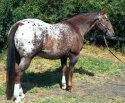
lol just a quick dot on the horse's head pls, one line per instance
(103, 23)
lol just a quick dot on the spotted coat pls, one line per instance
(50, 39)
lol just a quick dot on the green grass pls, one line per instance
(2, 89)
(2, 68)
(33, 91)
(99, 65)
(2, 59)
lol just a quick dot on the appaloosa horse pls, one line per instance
(32, 37)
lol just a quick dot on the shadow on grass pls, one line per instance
(47, 78)
(82, 71)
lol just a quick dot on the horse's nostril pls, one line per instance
(113, 34)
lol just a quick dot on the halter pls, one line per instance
(105, 26)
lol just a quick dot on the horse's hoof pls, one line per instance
(64, 86)
(69, 88)
(22, 96)
(17, 99)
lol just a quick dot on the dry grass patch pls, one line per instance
(94, 51)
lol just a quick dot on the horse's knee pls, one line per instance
(24, 63)
(71, 70)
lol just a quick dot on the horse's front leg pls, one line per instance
(64, 66)
(18, 91)
(73, 59)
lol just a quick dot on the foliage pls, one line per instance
(53, 11)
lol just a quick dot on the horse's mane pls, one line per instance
(79, 14)
(85, 14)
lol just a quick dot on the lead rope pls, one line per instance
(111, 51)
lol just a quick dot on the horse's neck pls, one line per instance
(87, 27)
(84, 24)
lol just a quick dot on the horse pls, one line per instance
(28, 38)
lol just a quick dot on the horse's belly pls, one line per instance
(51, 55)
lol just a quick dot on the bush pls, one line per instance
(54, 10)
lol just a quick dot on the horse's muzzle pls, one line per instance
(110, 34)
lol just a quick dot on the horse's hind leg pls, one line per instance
(73, 59)
(18, 91)
(63, 64)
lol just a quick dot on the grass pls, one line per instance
(2, 89)
(2, 60)
(99, 66)
(45, 75)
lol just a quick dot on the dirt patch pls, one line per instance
(109, 89)
(98, 92)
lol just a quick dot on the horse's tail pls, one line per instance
(11, 62)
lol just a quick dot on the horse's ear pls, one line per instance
(103, 11)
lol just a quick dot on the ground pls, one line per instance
(98, 78)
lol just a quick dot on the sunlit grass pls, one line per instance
(2, 60)
(98, 65)
(2, 89)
